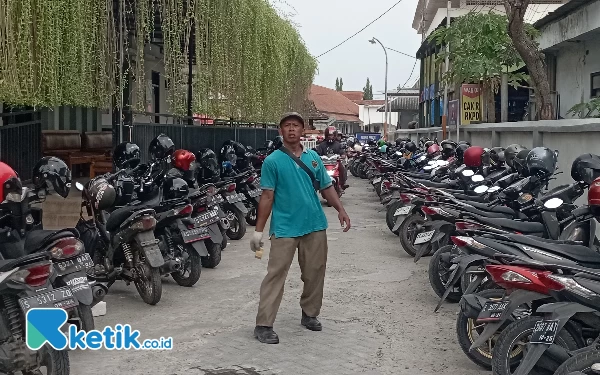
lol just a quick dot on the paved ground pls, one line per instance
(377, 314)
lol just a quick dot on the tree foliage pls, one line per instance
(368, 90)
(339, 84)
(250, 62)
(586, 109)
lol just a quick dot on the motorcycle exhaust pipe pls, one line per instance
(99, 291)
(170, 266)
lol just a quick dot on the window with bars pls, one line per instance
(595, 89)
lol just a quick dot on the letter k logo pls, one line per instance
(43, 326)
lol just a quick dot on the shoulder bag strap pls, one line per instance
(301, 164)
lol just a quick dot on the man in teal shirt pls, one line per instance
(297, 222)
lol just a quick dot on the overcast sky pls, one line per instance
(325, 23)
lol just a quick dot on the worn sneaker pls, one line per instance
(266, 335)
(311, 322)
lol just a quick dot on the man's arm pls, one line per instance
(332, 198)
(265, 205)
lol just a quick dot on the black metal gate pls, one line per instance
(20, 141)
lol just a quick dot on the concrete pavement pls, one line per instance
(377, 315)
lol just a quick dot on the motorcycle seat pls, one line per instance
(196, 193)
(38, 239)
(436, 184)
(485, 207)
(484, 214)
(425, 176)
(9, 264)
(518, 226)
(468, 198)
(118, 216)
(579, 253)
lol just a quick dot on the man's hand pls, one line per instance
(256, 241)
(344, 220)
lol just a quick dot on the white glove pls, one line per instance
(256, 242)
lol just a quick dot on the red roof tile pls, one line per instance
(333, 103)
(370, 102)
(352, 95)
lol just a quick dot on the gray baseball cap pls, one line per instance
(289, 115)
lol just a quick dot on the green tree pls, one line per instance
(368, 91)
(480, 51)
(337, 84)
(341, 84)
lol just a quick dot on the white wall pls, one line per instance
(368, 115)
(573, 26)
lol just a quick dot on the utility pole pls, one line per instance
(504, 98)
(447, 63)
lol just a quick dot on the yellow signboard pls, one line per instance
(470, 106)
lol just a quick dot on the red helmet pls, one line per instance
(183, 159)
(9, 181)
(433, 150)
(472, 157)
(594, 194)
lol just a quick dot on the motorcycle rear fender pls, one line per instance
(199, 247)
(436, 225)
(80, 286)
(471, 305)
(240, 206)
(463, 262)
(215, 233)
(400, 218)
(516, 299)
(473, 285)
(149, 246)
(561, 311)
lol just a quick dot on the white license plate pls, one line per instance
(377, 180)
(58, 298)
(403, 210)
(424, 237)
(81, 262)
(234, 198)
(206, 218)
(255, 193)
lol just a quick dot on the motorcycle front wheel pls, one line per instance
(147, 281)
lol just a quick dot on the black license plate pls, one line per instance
(544, 332)
(79, 263)
(195, 234)
(234, 198)
(255, 193)
(207, 218)
(492, 311)
(62, 298)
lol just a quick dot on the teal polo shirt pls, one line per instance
(297, 209)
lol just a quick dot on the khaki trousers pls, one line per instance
(312, 257)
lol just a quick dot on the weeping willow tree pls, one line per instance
(250, 63)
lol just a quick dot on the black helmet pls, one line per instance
(410, 146)
(541, 161)
(52, 173)
(227, 154)
(161, 147)
(448, 147)
(209, 171)
(239, 149)
(126, 155)
(460, 150)
(100, 193)
(277, 142)
(519, 162)
(511, 152)
(497, 157)
(586, 168)
(175, 188)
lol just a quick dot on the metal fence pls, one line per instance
(194, 138)
(20, 143)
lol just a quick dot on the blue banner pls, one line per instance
(365, 137)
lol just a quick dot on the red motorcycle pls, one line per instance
(332, 165)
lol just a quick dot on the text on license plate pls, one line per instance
(206, 217)
(424, 237)
(58, 298)
(402, 211)
(492, 310)
(255, 193)
(544, 332)
(195, 234)
(82, 262)
(234, 198)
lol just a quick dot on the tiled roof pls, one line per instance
(333, 103)
(370, 102)
(402, 103)
(353, 95)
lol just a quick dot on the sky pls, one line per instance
(325, 23)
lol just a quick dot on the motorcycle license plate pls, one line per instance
(424, 237)
(544, 332)
(207, 218)
(79, 263)
(377, 180)
(403, 210)
(196, 234)
(234, 198)
(61, 298)
(255, 193)
(492, 311)
(215, 199)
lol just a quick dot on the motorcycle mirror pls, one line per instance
(79, 186)
(493, 189)
(480, 189)
(477, 178)
(553, 203)
(468, 173)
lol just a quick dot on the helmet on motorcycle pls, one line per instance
(541, 161)
(473, 156)
(410, 146)
(161, 147)
(100, 193)
(184, 160)
(519, 162)
(227, 153)
(428, 144)
(126, 155)
(9, 181)
(277, 142)
(330, 130)
(511, 152)
(209, 166)
(448, 147)
(497, 156)
(52, 173)
(460, 151)
(175, 188)
(594, 197)
(239, 149)
(586, 168)
(433, 150)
